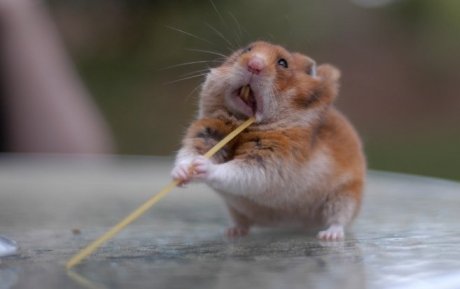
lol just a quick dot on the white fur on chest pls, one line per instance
(288, 187)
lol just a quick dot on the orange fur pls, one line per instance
(299, 140)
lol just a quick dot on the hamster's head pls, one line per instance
(281, 83)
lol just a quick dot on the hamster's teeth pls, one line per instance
(245, 92)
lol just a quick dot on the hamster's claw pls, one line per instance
(181, 174)
(196, 170)
(333, 233)
(201, 168)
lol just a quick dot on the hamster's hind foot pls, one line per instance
(333, 233)
(236, 232)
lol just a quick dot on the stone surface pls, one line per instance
(407, 235)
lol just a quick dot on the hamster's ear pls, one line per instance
(328, 72)
(329, 76)
(325, 88)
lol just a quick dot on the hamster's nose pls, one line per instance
(256, 64)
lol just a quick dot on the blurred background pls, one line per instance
(399, 60)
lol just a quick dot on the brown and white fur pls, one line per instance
(300, 163)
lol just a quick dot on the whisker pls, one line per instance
(195, 71)
(243, 29)
(185, 78)
(189, 34)
(218, 13)
(195, 89)
(232, 46)
(188, 63)
(238, 25)
(206, 51)
(238, 32)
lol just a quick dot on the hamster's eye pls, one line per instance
(247, 49)
(282, 62)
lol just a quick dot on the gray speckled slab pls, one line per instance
(407, 235)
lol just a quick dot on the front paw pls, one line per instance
(201, 168)
(182, 173)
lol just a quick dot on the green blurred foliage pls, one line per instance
(399, 61)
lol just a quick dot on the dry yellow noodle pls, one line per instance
(88, 250)
(83, 281)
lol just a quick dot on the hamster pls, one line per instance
(301, 163)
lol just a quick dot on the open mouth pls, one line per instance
(246, 94)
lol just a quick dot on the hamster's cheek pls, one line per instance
(285, 96)
(215, 81)
(214, 74)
